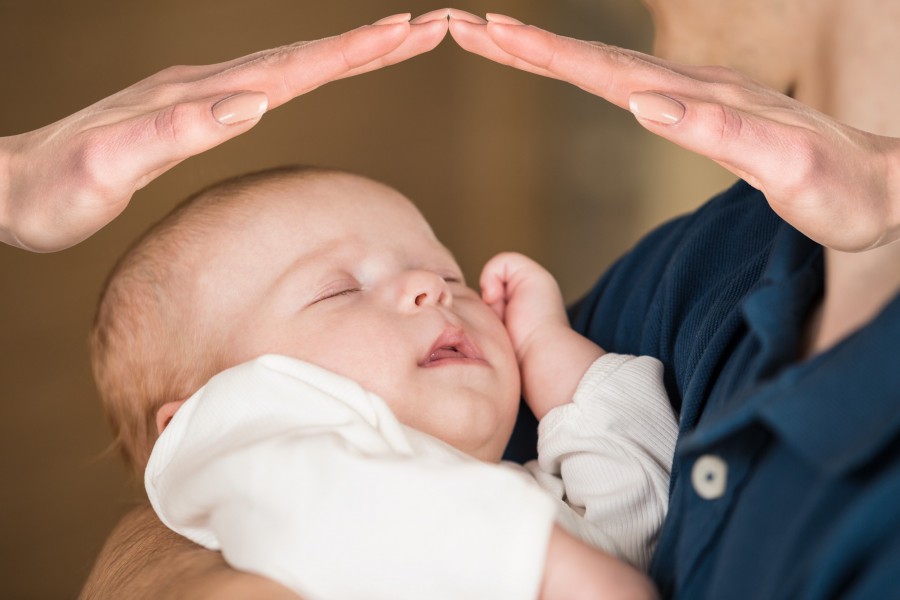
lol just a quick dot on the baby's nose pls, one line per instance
(425, 288)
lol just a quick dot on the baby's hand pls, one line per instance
(525, 296)
(576, 571)
(552, 357)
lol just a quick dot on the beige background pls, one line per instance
(497, 159)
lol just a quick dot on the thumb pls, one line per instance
(163, 138)
(751, 147)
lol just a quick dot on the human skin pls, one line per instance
(552, 357)
(769, 138)
(837, 184)
(61, 183)
(344, 272)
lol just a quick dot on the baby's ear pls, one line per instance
(165, 414)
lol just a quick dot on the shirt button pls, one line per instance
(709, 477)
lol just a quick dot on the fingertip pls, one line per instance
(502, 19)
(518, 40)
(365, 44)
(396, 28)
(501, 28)
(432, 26)
(456, 14)
(394, 19)
(466, 34)
(441, 14)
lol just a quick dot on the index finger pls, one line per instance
(607, 71)
(289, 71)
(426, 32)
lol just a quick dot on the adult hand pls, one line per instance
(838, 185)
(61, 183)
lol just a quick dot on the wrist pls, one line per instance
(892, 178)
(553, 365)
(6, 234)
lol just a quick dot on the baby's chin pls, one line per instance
(488, 449)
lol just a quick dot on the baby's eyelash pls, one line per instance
(344, 292)
(335, 294)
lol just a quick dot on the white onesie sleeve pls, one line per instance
(607, 456)
(302, 476)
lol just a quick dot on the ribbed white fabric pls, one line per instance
(302, 476)
(608, 456)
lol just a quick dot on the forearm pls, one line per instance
(553, 364)
(893, 185)
(142, 559)
(575, 571)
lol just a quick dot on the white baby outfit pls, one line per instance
(302, 476)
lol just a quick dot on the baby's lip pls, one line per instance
(451, 346)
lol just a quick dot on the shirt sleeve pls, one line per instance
(304, 477)
(607, 456)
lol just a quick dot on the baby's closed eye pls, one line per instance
(337, 290)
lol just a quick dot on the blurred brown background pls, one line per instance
(497, 160)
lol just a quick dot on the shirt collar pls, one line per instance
(842, 407)
(837, 409)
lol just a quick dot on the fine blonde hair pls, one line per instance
(146, 347)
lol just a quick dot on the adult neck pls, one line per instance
(851, 75)
(850, 69)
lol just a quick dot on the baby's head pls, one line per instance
(321, 265)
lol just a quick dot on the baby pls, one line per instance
(360, 397)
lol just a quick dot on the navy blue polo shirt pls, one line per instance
(786, 480)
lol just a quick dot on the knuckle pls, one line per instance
(727, 125)
(805, 160)
(173, 123)
(151, 93)
(724, 74)
(731, 93)
(89, 164)
(169, 76)
(168, 93)
(175, 73)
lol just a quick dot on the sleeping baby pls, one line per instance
(298, 367)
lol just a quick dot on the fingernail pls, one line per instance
(461, 15)
(242, 106)
(434, 15)
(656, 107)
(502, 19)
(393, 19)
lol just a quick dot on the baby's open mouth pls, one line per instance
(452, 345)
(446, 352)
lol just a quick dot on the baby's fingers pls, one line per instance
(493, 286)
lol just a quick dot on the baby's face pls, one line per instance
(345, 273)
